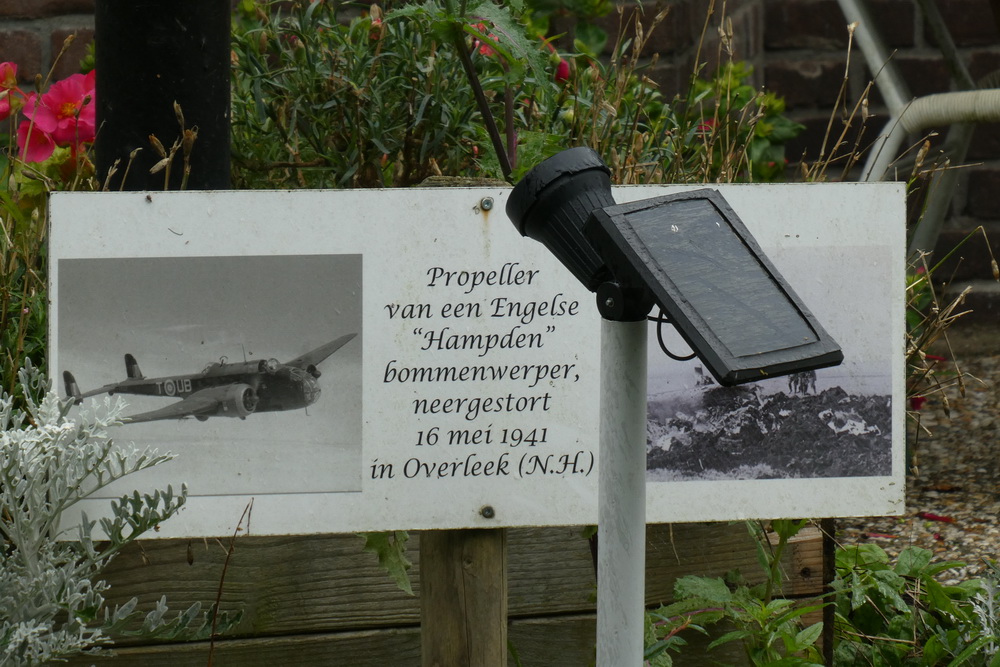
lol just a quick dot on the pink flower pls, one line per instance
(5, 107)
(706, 126)
(562, 71)
(64, 116)
(8, 76)
(67, 111)
(36, 146)
(483, 47)
(917, 402)
(375, 32)
(8, 87)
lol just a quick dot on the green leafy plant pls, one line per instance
(768, 628)
(887, 613)
(390, 549)
(986, 607)
(900, 614)
(305, 86)
(722, 129)
(732, 113)
(51, 597)
(305, 83)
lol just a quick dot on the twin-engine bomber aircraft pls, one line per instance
(223, 389)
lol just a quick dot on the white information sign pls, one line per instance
(403, 359)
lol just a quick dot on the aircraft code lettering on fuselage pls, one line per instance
(174, 387)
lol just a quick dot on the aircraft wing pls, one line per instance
(73, 390)
(317, 356)
(106, 389)
(202, 403)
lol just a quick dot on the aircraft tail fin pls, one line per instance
(132, 368)
(72, 388)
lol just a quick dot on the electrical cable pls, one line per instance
(660, 320)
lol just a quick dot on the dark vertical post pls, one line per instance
(828, 527)
(151, 53)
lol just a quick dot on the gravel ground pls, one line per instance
(953, 492)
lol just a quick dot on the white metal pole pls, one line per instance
(621, 558)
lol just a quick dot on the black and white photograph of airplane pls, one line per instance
(223, 388)
(250, 366)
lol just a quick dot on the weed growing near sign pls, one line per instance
(928, 319)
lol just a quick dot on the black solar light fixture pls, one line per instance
(692, 256)
(688, 253)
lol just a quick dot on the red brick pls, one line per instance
(982, 202)
(748, 28)
(970, 22)
(34, 9)
(69, 63)
(805, 82)
(23, 48)
(924, 73)
(671, 36)
(983, 63)
(810, 142)
(820, 24)
(673, 76)
(895, 22)
(971, 261)
(985, 143)
(812, 24)
(680, 32)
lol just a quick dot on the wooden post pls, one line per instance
(463, 598)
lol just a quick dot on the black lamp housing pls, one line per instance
(553, 201)
(689, 253)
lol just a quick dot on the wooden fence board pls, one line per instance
(399, 647)
(562, 641)
(309, 597)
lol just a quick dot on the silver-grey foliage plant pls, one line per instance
(51, 601)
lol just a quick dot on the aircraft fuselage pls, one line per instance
(223, 389)
(291, 389)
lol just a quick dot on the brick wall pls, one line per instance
(798, 49)
(32, 33)
(677, 39)
(805, 46)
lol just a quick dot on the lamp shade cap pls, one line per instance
(565, 163)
